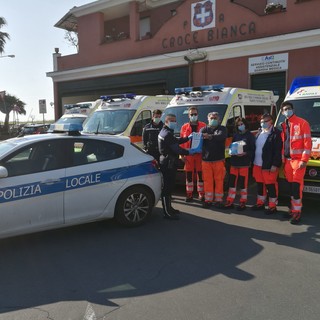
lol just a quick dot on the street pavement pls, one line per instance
(210, 265)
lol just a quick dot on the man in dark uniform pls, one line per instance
(150, 134)
(169, 153)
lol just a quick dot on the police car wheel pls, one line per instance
(134, 206)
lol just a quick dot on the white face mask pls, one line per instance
(193, 118)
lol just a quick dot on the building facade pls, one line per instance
(153, 46)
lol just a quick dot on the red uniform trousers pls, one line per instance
(294, 174)
(268, 182)
(236, 174)
(213, 177)
(194, 163)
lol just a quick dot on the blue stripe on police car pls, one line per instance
(74, 182)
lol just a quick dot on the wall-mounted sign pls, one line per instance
(269, 63)
(203, 15)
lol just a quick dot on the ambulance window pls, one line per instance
(253, 115)
(235, 112)
(143, 118)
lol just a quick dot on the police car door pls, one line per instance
(97, 174)
(31, 197)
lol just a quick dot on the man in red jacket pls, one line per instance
(297, 147)
(193, 163)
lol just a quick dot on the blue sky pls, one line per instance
(33, 38)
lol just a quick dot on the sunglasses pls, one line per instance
(193, 114)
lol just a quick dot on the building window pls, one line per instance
(275, 6)
(145, 28)
(282, 2)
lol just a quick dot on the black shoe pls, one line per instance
(295, 221)
(258, 207)
(296, 218)
(241, 207)
(207, 204)
(228, 205)
(189, 199)
(175, 211)
(171, 217)
(270, 211)
(219, 205)
(201, 198)
(287, 215)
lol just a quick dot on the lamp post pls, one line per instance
(8, 56)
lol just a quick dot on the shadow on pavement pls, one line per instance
(101, 261)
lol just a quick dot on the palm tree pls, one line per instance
(3, 35)
(10, 103)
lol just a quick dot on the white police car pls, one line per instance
(55, 180)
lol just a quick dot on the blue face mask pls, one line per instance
(172, 125)
(242, 128)
(156, 120)
(288, 113)
(213, 122)
(264, 125)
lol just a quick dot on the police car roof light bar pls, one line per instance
(69, 106)
(118, 96)
(187, 90)
(304, 82)
(73, 106)
(83, 105)
(71, 128)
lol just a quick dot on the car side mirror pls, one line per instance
(3, 172)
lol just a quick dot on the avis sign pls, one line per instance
(203, 15)
(42, 106)
(269, 63)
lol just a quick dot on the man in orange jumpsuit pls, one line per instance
(297, 147)
(192, 163)
(213, 160)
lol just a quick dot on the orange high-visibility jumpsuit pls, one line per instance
(300, 145)
(192, 162)
(213, 163)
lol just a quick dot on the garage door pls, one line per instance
(275, 82)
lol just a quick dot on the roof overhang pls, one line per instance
(286, 42)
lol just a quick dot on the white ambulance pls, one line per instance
(304, 94)
(230, 103)
(125, 114)
(84, 108)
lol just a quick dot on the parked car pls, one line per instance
(33, 129)
(61, 179)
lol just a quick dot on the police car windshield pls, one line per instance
(181, 113)
(108, 121)
(308, 109)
